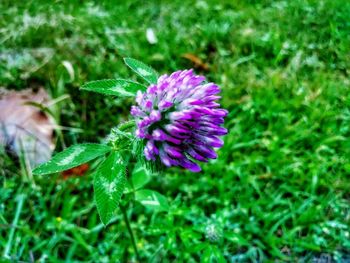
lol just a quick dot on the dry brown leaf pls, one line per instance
(198, 63)
(76, 171)
(24, 128)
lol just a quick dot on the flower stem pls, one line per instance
(133, 239)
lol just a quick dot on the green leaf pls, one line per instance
(72, 157)
(218, 255)
(115, 87)
(212, 254)
(140, 176)
(152, 199)
(189, 237)
(236, 239)
(109, 183)
(146, 72)
(207, 256)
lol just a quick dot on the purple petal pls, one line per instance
(196, 155)
(213, 141)
(177, 131)
(212, 119)
(152, 89)
(173, 151)
(139, 97)
(211, 98)
(180, 115)
(140, 133)
(165, 159)
(193, 167)
(149, 155)
(162, 78)
(212, 104)
(206, 151)
(145, 122)
(220, 112)
(165, 105)
(191, 124)
(213, 130)
(148, 105)
(152, 147)
(137, 112)
(155, 116)
(159, 135)
(173, 140)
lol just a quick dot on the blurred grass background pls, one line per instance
(280, 188)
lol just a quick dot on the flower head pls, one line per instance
(180, 120)
(213, 233)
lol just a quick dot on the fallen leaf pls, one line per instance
(24, 128)
(78, 171)
(196, 61)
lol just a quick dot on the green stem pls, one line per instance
(133, 239)
(7, 249)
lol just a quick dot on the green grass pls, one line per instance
(280, 188)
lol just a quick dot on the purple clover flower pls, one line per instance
(180, 120)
